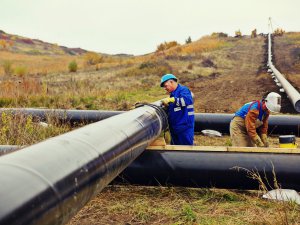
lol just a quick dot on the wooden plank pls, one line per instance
(224, 149)
(264, 150)
(189, 148)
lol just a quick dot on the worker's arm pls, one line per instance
(264, 128)
(264, 131)
(185, 98)
(250, 119)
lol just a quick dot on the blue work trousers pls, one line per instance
(185, 137)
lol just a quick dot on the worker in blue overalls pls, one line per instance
(180, 111)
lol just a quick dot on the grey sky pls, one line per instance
(138, 26)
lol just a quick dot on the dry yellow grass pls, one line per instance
(40, 64)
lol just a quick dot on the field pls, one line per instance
(222, 72)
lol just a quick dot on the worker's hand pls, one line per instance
(265, 140)
(166, 101)
(258, 141)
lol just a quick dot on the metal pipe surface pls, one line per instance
(211, 169)
(292, 93)
(47, 183)
(278, 124)
(5, 149)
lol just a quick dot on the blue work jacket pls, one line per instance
(181, 112)
(255, 105)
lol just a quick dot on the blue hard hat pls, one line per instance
(166, 77)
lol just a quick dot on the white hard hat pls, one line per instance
(273, 102)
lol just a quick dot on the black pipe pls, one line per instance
(211, 169)
(71, 116)
(47, 183)
(278, 124)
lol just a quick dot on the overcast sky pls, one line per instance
(138, 26)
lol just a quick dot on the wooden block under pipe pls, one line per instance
(158, 142)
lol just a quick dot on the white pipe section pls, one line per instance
(292, 93)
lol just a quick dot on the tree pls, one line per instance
(253, 34)
(238, 34)
(278, 32)
(3, 43)
(188, 40)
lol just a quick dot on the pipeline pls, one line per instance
(212, 169)
(62, 115)
(47, 183)
(206, 168)
(278, 124)
(5, 149)
(292, 93)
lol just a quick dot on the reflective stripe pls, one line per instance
(190, 113)
(177, 109)
(182, 101)
(190, 106)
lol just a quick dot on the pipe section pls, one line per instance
(278, 124)
(71, 116)
(5, 149)
(211, 169)
(292, 93)
(47, 183)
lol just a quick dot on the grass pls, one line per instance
(162, 205)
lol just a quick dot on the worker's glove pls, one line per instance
(265, 140)
(166, 101)
(258, 141)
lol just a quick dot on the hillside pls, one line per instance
(18, 44)
(222, 72)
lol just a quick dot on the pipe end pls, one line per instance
(297, 106)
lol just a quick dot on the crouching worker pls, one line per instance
(251, 116)
(180, 111)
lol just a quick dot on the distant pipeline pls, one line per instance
(278, 124)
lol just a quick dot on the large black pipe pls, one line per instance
(71, 116)
(212, 169)
(209, 169)
(47, 183)
(278, 124)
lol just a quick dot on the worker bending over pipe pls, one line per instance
(251, 116)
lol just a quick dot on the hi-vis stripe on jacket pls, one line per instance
(181, 112)
(252, 113)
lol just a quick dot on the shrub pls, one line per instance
(190, 66)
(92, 58)
(219, 34)
(7, 66)
(21, 71)
(73, 66)
(166, 45)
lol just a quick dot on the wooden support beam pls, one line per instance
(223, 149)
